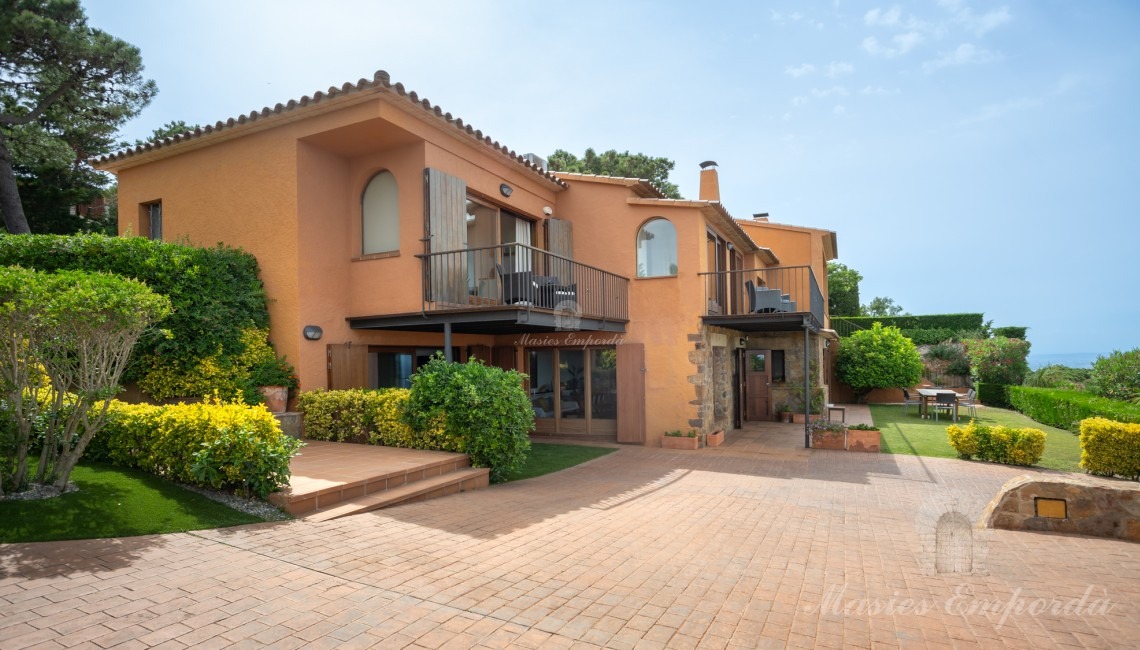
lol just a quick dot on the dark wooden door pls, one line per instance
(758, 373)
(347, 366)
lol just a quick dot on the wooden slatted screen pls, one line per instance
(560, 241)
(480, 352)
(631, 393)
(445, 220)
(347, 366)
(503, 356)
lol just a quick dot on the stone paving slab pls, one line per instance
(641, 548)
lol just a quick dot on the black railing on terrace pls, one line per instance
(780, 289)
(517, 275)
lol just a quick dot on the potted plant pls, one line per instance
(715, 439)
(678, 440)
(815, 406)
(828, 435)
(273, 380)
(784, 412)
(863, 437)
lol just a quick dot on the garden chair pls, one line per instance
(945, 402)
(908, 401)
(969, 400)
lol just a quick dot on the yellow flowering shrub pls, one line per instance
(998, 444)
(1110, 448)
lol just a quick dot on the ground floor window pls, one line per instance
(393, 367)
(573, 390)
(778, 374)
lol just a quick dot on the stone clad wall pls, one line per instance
(714, 399)
(1094, 506)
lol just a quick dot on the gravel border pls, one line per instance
(250, 506)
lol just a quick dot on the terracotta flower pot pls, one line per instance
(798, 418)
(827, 440)
(715, 439)
(679, 442)
(276, 398)
(858, 440)
(786, 417)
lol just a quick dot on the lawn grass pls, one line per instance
(114, 502)
(545, 458)
(909, 434)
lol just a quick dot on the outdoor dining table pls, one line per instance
(929, 395)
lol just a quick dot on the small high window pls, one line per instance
(656, 249)
(380, 215)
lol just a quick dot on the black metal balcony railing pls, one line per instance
(517, 275)
(776, 290)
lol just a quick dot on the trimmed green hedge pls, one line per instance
(997, 444)
(215, 292)
(953, 322)
(929, 336)
(214, 445)
(1065, 409)
(1110, 448)
(1011, 332)
(994, 395)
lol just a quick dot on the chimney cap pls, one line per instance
(708, 163)
(760, 216)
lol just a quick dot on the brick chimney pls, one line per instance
(710, 183)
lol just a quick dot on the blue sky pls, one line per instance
(972, 156)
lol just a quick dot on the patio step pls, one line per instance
(462, 480)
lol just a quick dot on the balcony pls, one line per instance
(782, 298)
(512, 288)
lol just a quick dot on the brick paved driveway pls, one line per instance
(642, 548)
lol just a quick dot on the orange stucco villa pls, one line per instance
(388, 229)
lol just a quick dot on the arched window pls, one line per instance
(656, 249)
(380, 215)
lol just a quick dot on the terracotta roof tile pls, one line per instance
(380, 82)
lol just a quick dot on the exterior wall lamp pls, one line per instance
(505, 190)
(313, 332)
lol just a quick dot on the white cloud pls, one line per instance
(839, 91)
(876, 90)
(835, 69)
(799, 101)
(996, 111)
(839, 109)
(799, 70)
(788, 116)
(879, 18)
(979, 24)
(901, 44)
(964, 54)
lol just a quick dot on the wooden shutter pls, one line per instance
(480, 352)
(445, 222)
(631, 393)
(503, 356)
(347, 366)
(560, 241)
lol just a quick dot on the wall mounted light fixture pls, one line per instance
(505, 190)
(313, 332)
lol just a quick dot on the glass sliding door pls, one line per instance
(574, 390)
(603, 384)
(542, 396)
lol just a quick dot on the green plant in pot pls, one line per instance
(273, 378)
(784, 410)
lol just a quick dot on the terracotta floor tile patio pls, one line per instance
(758, 543)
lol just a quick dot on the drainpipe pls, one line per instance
(807, 390)
(447, 341)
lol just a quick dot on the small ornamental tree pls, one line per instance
(998, 360)
(66, 338)
(485, 407)
(880, 357)
(1117, 376)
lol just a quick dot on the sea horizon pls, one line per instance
(1070, 359)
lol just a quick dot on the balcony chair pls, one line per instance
(907, 401)
(946, 402)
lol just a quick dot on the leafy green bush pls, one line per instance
(340, 415)
(1011, 332)
(484, 406)
(1065, 409)
(1117, 376)
(997, 444)
(944, 351)
(240, 459)
(243, 445)
(66, 338)
(1058, 376)
(993, 394)
(216, 295)
(999, 360)
(846, 325)
(880, 357)
(1110, 448)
